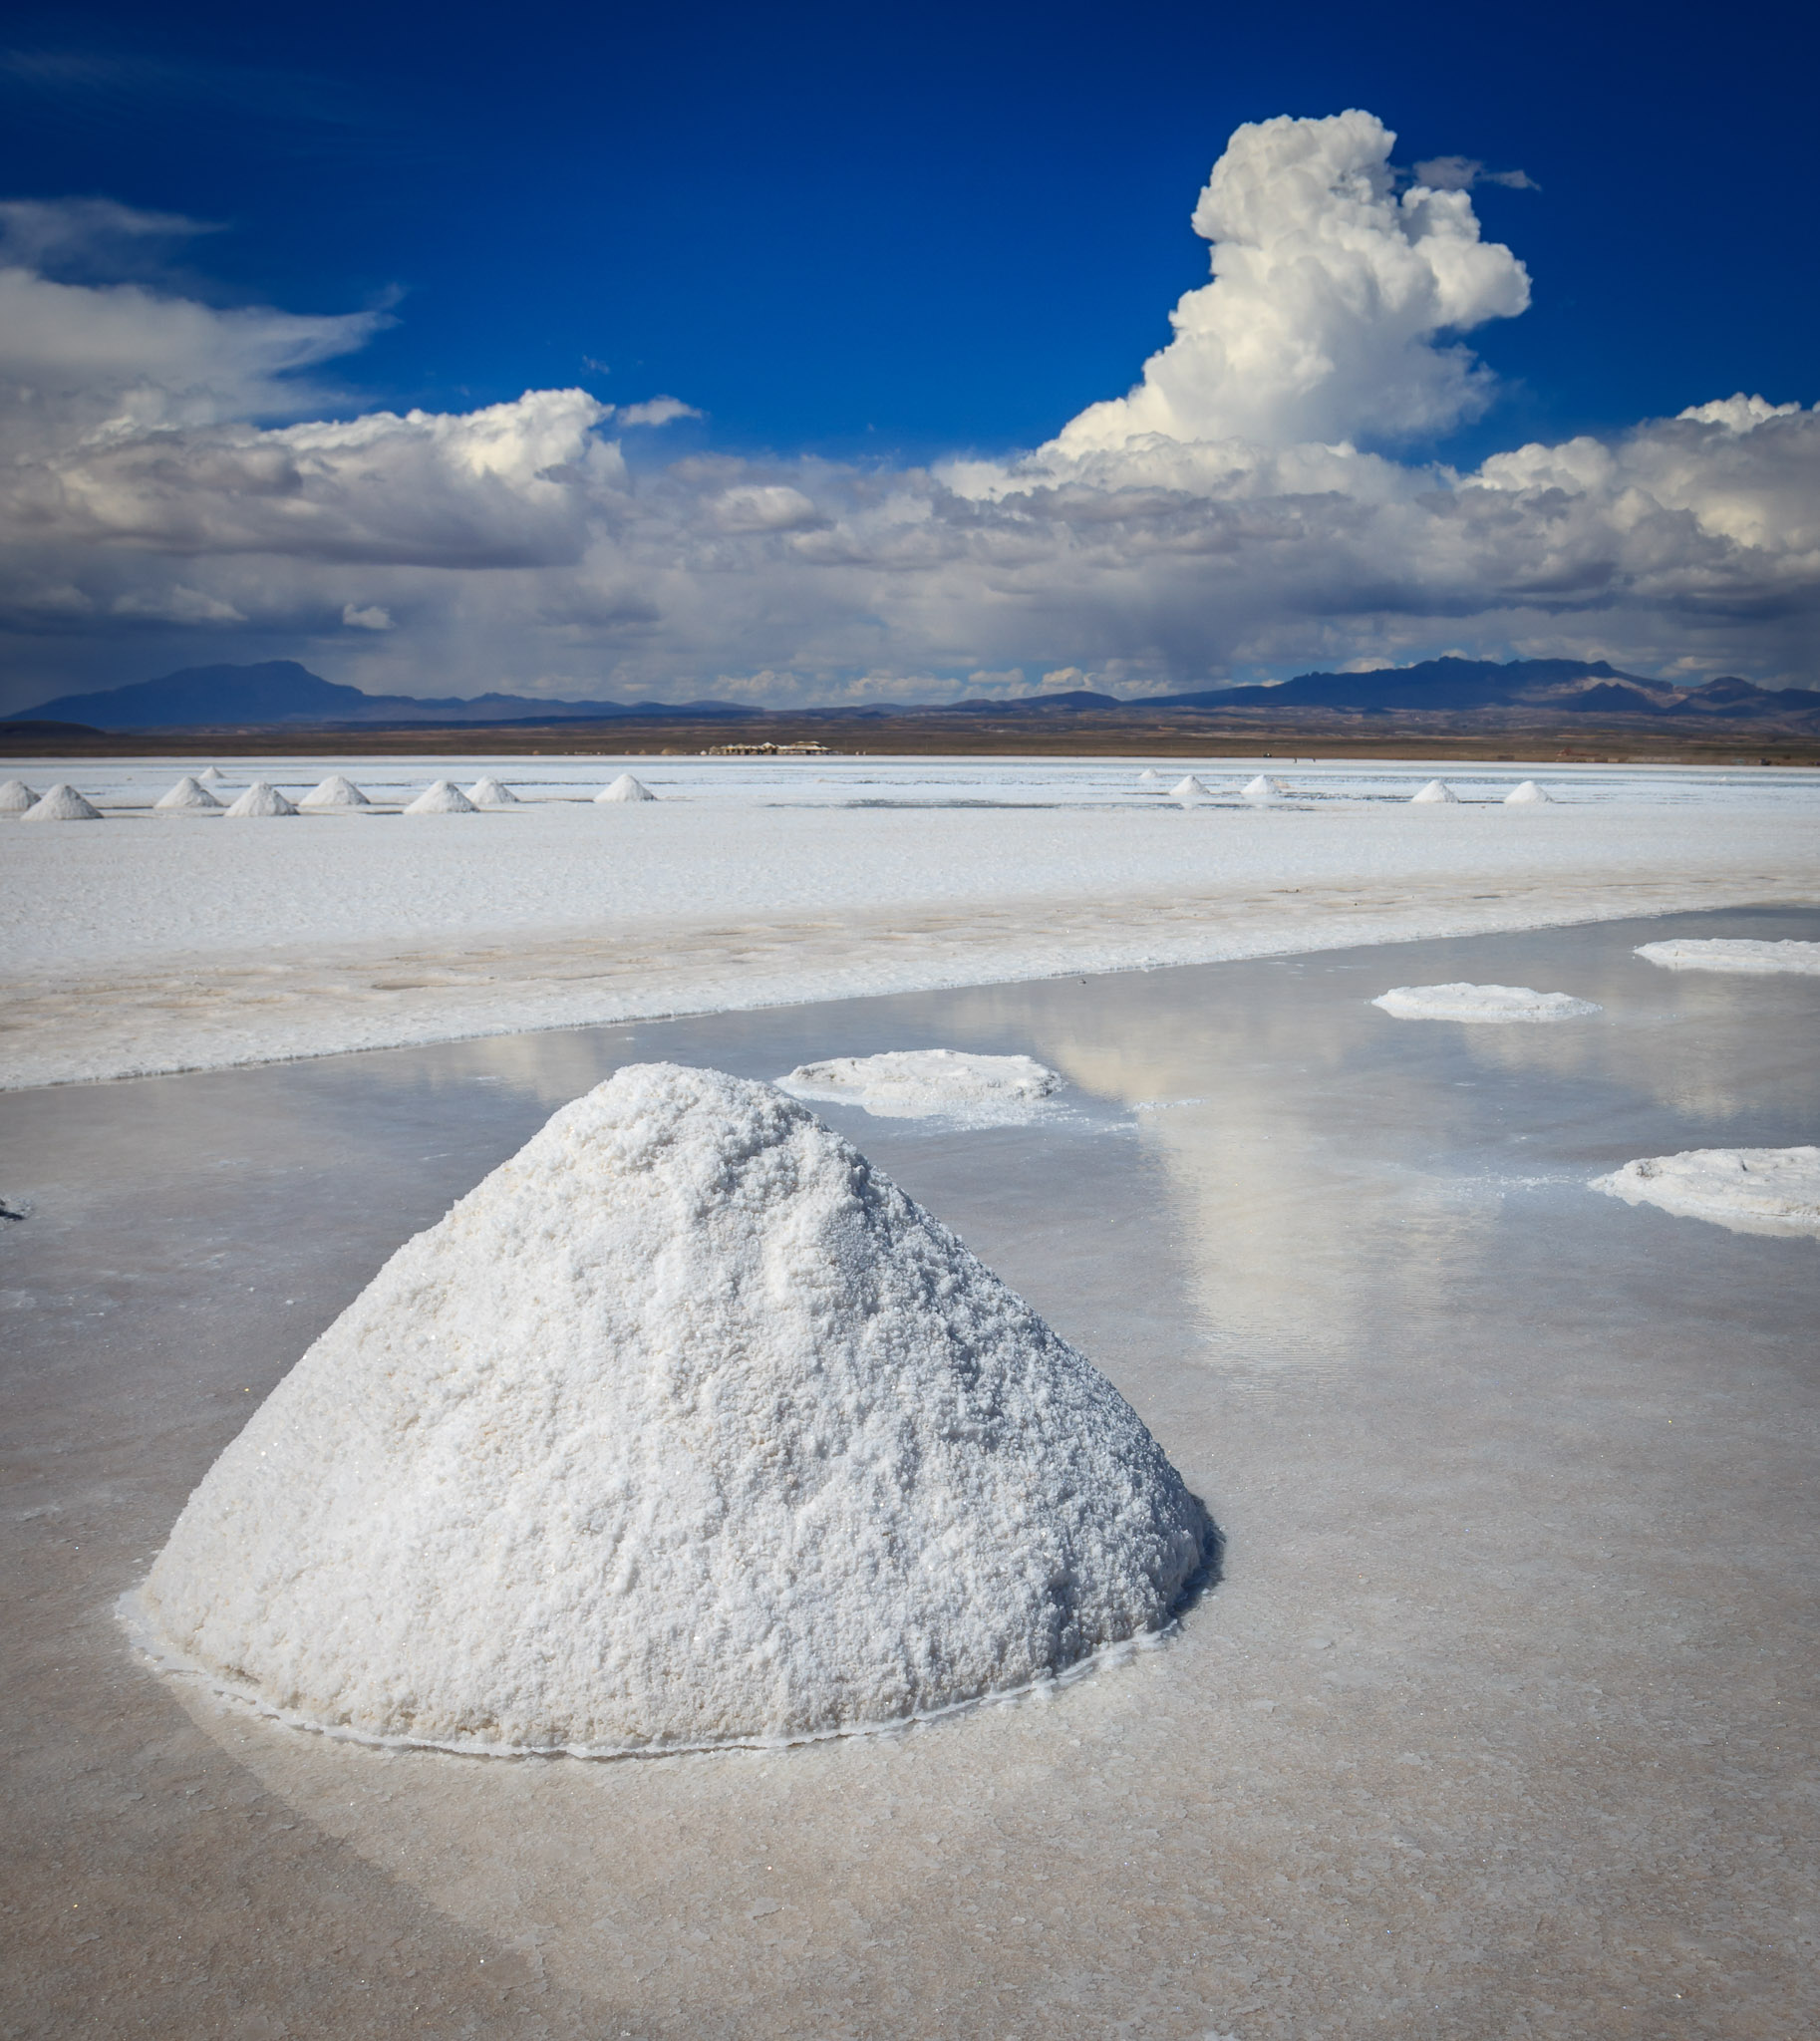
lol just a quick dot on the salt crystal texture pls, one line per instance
(442, 797)
(188, 797)
(1481, 1002)
(492, 793)
(1263, 793)
(1435, 791)
(1754, 959)
(1527, 795)
(16, 798)
(1750, 1190)
(686, 1428)
(260, 799)
(62, 804)
(625, 788)
(918, 1083)
(337, 791)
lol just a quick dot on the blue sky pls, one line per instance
(892, 236)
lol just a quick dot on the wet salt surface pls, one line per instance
(1500, 1724)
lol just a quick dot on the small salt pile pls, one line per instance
(1481, 1002)
(1262, 792)
(1187, 790)
(1527, 795)
(62, 804)
(337, 791)
(492, 793)
(625, 788)
(16, 798)
(188, 797)
(1435, 791)
(1149, 778)
(686, 1428)
(259, 800)
(443, 798)
(919, 1083)
(1750, 1190)
(213, 776)
(1749, 956)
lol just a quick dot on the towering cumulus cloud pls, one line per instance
(176, 484)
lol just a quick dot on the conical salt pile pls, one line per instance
(260, 799)
(684, 1427)
(62, 804)
(213, 776)
(337, 791)
(189, 797)
(1528, 795)
(492, 793)
(442, 798)
(626, 788)
(1147, 779)
(1435, 791)
(1262, 792)
(1188, 789)
(16, 798)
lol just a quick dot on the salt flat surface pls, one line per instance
(910, 1084)
(140, 946)
(1480, 1003)
(1750, 1190)
(1749, 959)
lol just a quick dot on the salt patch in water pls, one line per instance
(625, 788)
(259, 800)
(1527, 795)
(1481, 1002)
(686, 1428)
(188, 797)
(16, 798)
(337, 791)
(921, 1083)
(62, 804)
(1435, 791)
(1750, 1190)
(442, 797)
(1263, 793)
(492, 793)
(1749, 958)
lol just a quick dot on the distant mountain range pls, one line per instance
(281, 692)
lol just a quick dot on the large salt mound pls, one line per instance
(1435, 791)
(188, 797)
(62, 804)
(626, 788)
(337, 791)
(918, 1083)
(1188, 789)
(1527, 795)
(684, 1427)
(1750, 1190)
(259, 800)
(440, 797)
(1481, 1002)
(1752, 958)
(16, 798)
(492, 793)
(1262, 792)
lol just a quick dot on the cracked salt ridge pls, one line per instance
(1481, 1003)
(1772, 1190)
(926, 1084)
(1744, 957)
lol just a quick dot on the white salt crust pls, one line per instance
(1435, 791)
(1750, 1190)
(257, 801)
(188, 797)
(440, 797)
(1749, 958)
(1262, 792)
(625, 788)
(920, 1083)
(16, 798)
(685, 1428)
(62, 804)
(1481, 1002)
(492, 793)
(337, 791)
(1527, 794)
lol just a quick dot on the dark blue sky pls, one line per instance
(917, 229)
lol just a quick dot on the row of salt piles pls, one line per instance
(1525, 795)
(1261, 793)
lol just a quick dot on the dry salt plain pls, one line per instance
(1500, 1719)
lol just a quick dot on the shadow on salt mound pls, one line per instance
(685, 1428)
(1435, 791)
(16, 798)
(440, 797)
(927, 1084)
(625, 788)
(492, 793)
(1750, 1190)
(1748, 957)
(1262, 792)
(1528, 795)
(188, 797)
(259, 800)
(62, 804)
(1481, 1002)
(337, 791)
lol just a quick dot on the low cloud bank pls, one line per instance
(1246, 507)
